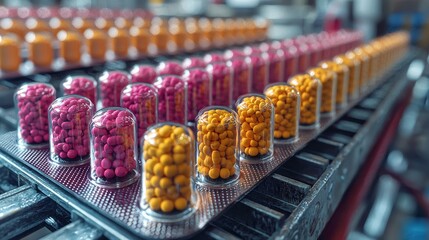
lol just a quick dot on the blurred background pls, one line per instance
(288, 17)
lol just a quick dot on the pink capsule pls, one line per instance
(221, 77)
(241, 74)
(85, 86)
(111, 85)
(70, 136)
(141, 99)
(143, 74)
(275, 59)
(171, 99)
(199, 90)
(259, 72)
(170, 68)
(193, 62)
(213, 57)
(233, 53)
(113, 136)
(32, 101)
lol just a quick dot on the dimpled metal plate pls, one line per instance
(122, 205)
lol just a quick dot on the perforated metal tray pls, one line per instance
(121, 205)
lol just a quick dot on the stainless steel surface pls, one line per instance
(21, 209)
(77, 230)
(121, 206)
(312, 214)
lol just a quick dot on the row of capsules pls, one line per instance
(171, 156)
(86, 36)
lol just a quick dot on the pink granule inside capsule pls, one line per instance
(82, 86)
(259, 73)
(221, 77)
(33, 102)
(141, 100)
(170, 68)
(241, 75)
(213, 57)
(171, 99)
(70, 120)
(198, 81)
(113, 143)
(193, 62)
(143, 74)
(111, 85)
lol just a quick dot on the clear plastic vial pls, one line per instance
(32, 102)
(218, 147)
(259, 72)
(168, 158)
(113, 148)
(241, 73)
(170, 68)
(221, 77)
(172, 94)
(69, 118)
(328, 79)
(256, 115)
(142, 100)
(354, 72)
(143, 73)
(310, 90)
(287, 102)
(342, 73)
(111, 85)
(82, 85)
(199, 91)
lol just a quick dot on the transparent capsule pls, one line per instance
(172, 94)
(218, 147)
(256, 115)
(310, 90)
(286, 101)
(32, 102)
(113, 148)
(81, 85)
(328, 79)
(168, 157)
(142, 100)
(69, 119)
(199, 90)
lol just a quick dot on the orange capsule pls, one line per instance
(96, 42)
(58, 24)
(159, 37)
(177, 32)
(40, 50)
(119, 41)
(9, 53)
(103, 23)
(14, 26)
(70, 46)
(37, 25)
(123, 23)
(81, 24)
(139, 39)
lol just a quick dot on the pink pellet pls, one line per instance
(170, 68)
(213, 57)
(141, 99)
(32, 101)
(193, 62)
(111, 85)
(171, 99)
(315, 52)
(259, 73)
(221, 76)
(85, 86)
(303, 56)
(143, 74)
(113, 143)
(70, 137)
(241, 74)
(199, 92)
(275, 59)
(233, 53)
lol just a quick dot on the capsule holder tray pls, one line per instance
(122, 205)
